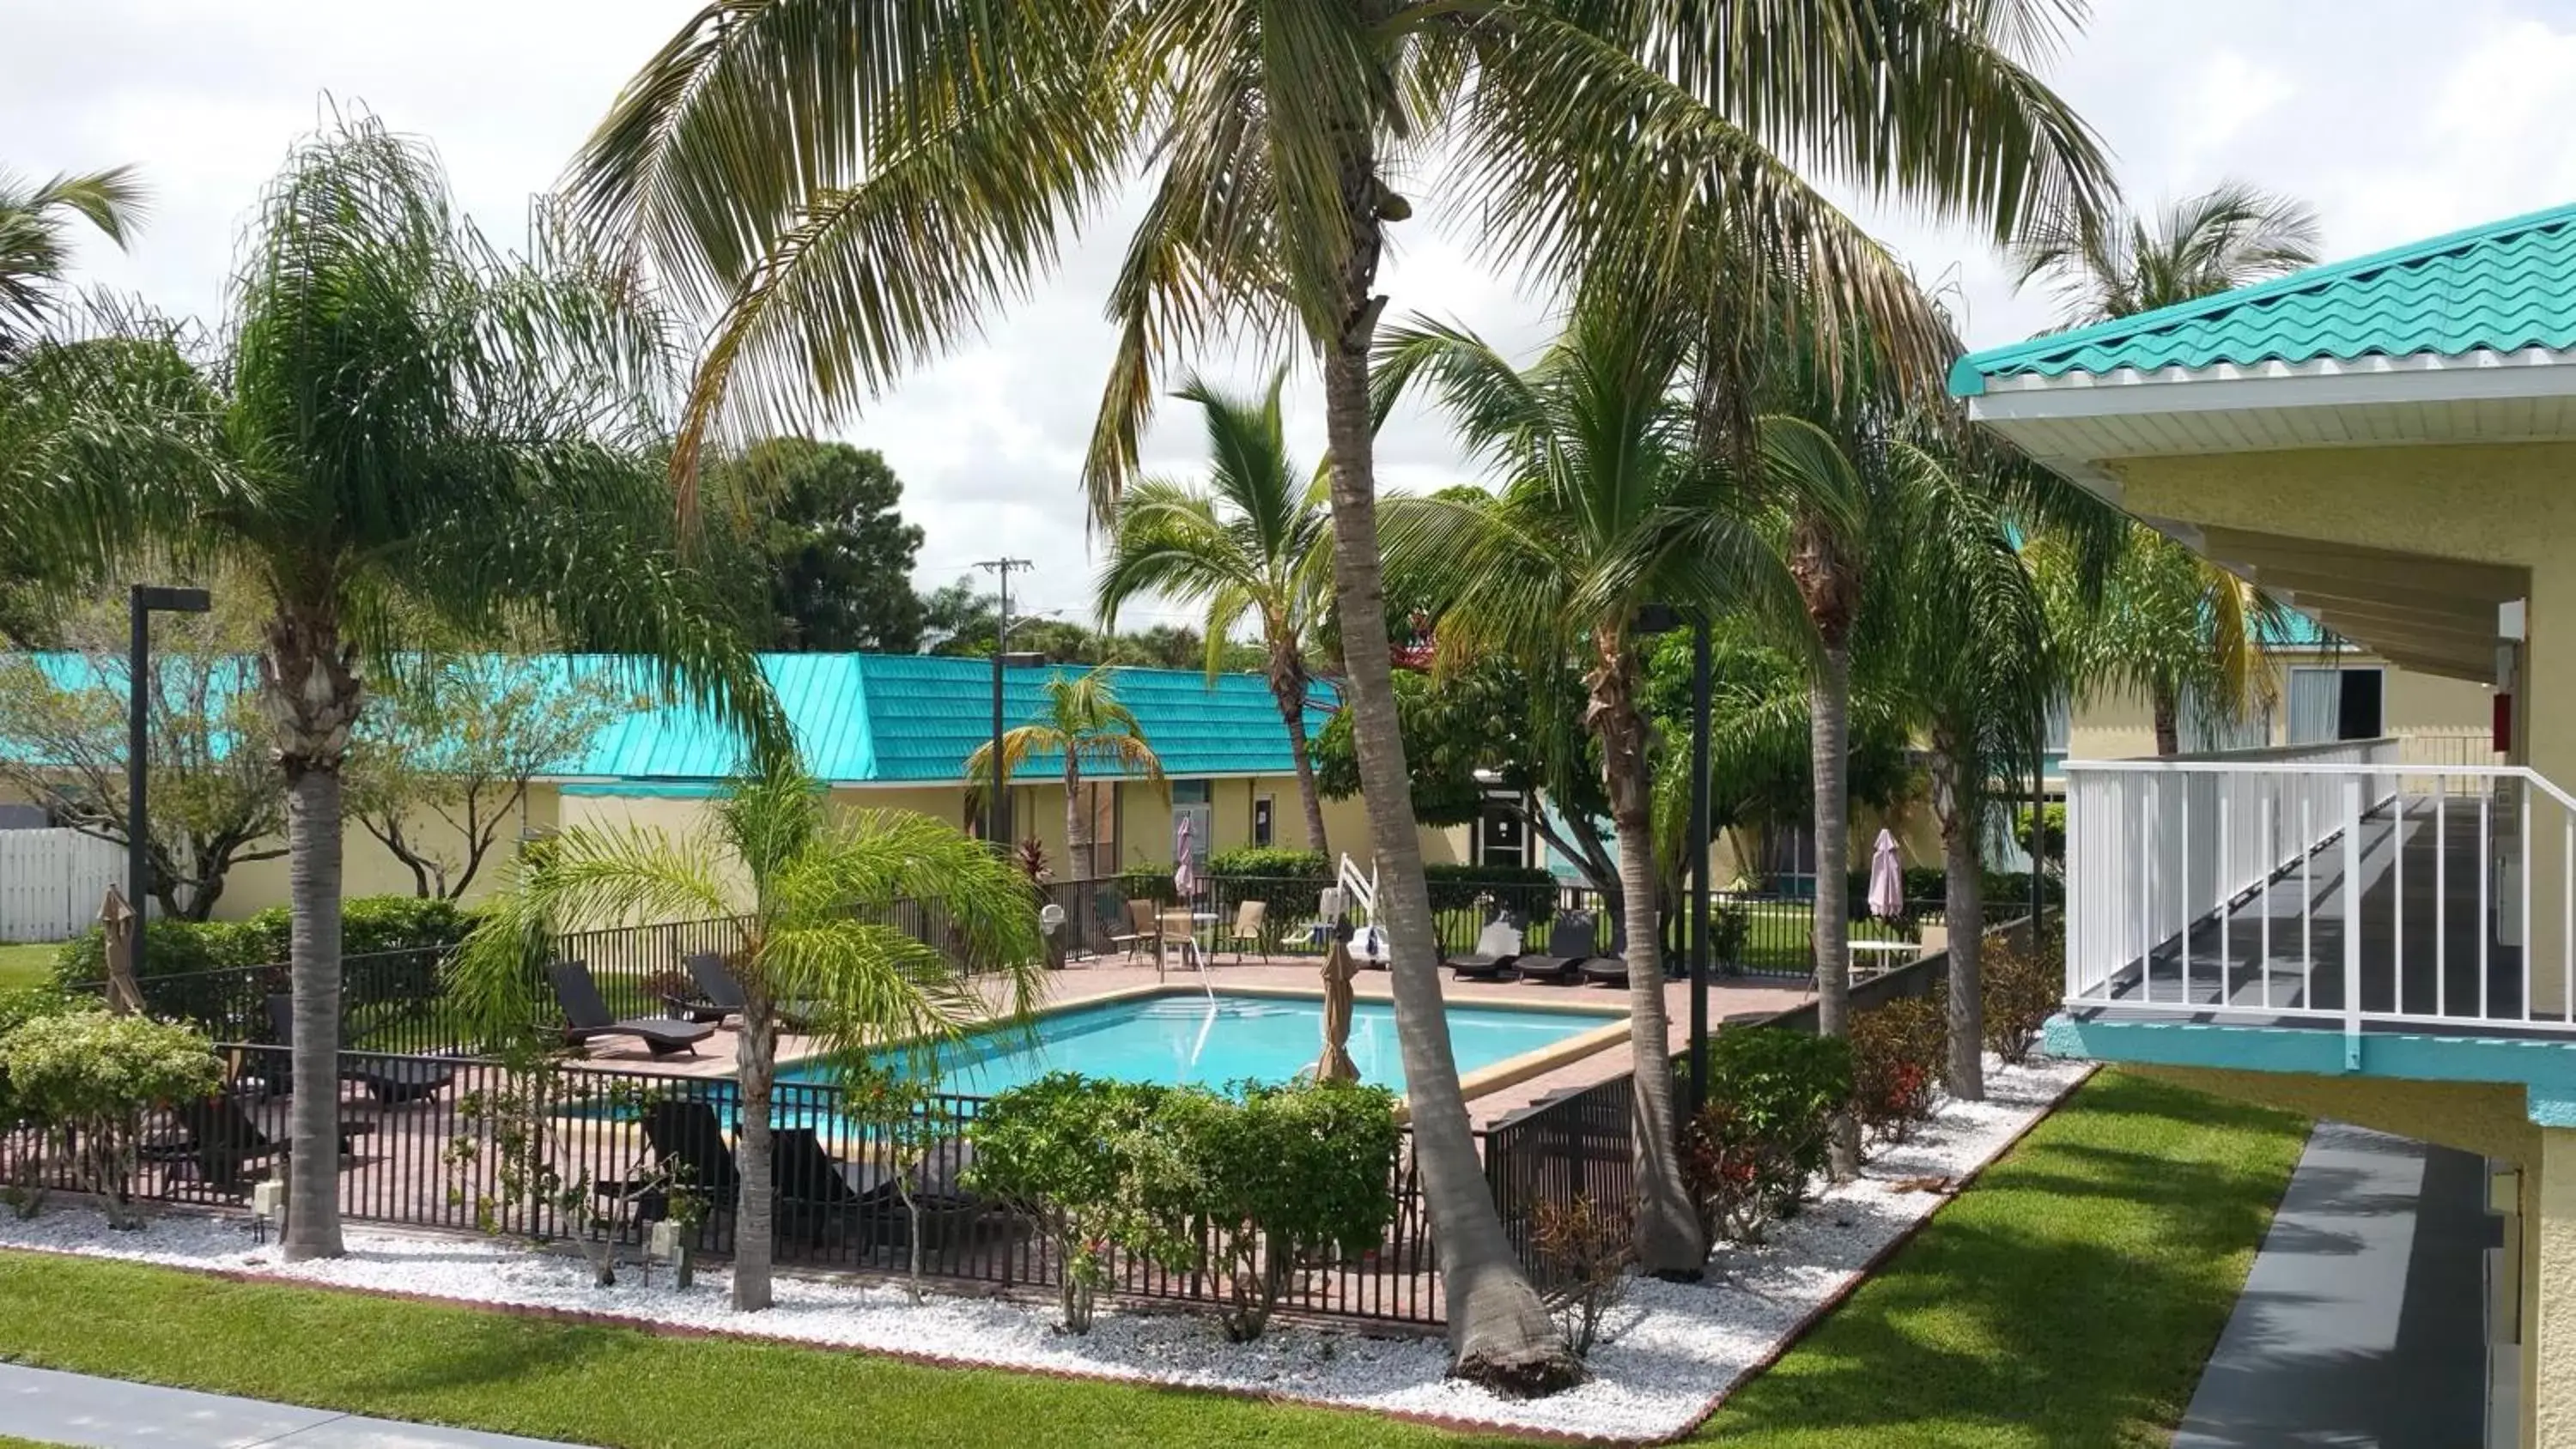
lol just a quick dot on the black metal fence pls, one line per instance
(580, 1153)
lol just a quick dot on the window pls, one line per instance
(1261, 817)
(1501, 836)
(2359, 701)
(2336, 704)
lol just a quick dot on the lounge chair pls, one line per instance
(1248, 919)
(1572, 939)
(390, 1080)
(1496, 957)
(724, 993)
(1610, 968)
(814, 1197)
(586, 1016)
(221, 1140)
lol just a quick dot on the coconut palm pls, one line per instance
(782, 873)
(35, 238)
(1256, 541)
(848, 187)
(397, 423)
(1964, 649)
(2104, 267)
(1606, 506)
(1084, 723)
(2164, 625)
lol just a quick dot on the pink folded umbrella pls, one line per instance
(1185, 873)
(1886, 879)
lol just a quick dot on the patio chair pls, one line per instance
(390, 1080)
(1611, 967)
(1144, 928)
(1572, 939)
(221, 1140)
(1248, 918)
(586, 1017)
(722, 991)
(1497, 953)
(816, 1200)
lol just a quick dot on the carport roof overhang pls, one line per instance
(2436, 615)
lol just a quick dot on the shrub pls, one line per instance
(1896, 1057)
(1529, 891)
(2021, 989)
(1271, 862)
(90, 1076)
(1583, 1252)
(1772, 1095)
(1282, 1178)
(368, 925)
(171, 948)
(1073, 1153)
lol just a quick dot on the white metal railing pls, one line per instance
(2353, 880)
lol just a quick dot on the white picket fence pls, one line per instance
(51, 882)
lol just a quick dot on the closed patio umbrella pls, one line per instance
(1886, 879)
(1185, 871)
(1335, 1065)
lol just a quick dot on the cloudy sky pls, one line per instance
(2394, 128)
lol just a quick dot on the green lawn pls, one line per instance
(2069, 1298)
(25, 966)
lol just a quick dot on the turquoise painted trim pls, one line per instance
(2546, 1070)
(648, 790)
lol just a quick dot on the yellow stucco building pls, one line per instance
(2360, 927)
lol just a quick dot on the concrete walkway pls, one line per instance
(60, 1408)
(2362, 1323)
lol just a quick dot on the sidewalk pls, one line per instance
(75, 1409)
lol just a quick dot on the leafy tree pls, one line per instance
(216, 801)
(35, 239)
(958, 618)
(848, 194)
(796, 938)
(824, 521)
(2118, 264)
(1084, 723)
(438, 768)
(1253, 543)
(399, 423)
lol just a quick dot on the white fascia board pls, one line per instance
(2532, 372)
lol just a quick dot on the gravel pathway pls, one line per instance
(1671, 1350)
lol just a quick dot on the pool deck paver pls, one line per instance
(1730, 998)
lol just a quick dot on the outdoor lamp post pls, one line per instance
(143, 602)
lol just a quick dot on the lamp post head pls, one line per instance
(162, 599)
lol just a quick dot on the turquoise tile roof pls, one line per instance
(2506, 285)
(903, 718)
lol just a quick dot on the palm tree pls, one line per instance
(400, 423)
(796, 938)
(1968, 656)
(1257, 541)
(2165, 623)
(1085, 722)
(847, 188)
(1607, 507)
(2106, 267)
(35, 238)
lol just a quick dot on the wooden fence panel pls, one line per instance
(51, 882)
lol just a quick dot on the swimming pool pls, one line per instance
(1208, 1041)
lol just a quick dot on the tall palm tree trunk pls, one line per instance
(1288, 687)
(1500, 1333)
(1829, 735)
(2166, 709)
(1077, 823)
(1666, 1239)
(755, 1066)
(1956, 798)
(310, 690)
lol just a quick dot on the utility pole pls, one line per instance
(996, 811)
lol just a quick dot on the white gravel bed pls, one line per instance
(1671, 1349)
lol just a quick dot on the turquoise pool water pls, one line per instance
(1179, 1039)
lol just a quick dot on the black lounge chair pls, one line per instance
(722, 992)
(586, 1016)
(1610, 969)
(816, 1197)
(1572, 939)
(221, 1140)
(1498, 950)
(390, 1080)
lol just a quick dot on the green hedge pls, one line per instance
(368, 924)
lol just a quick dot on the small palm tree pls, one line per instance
(1084, 723)
(1607, 507)
(802, 892)
(400, 424)
(35, 239)
(2119, 265)
(1258, 541)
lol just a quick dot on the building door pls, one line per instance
(2358, 704)
(1191, 802)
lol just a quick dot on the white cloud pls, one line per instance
(2395, 126)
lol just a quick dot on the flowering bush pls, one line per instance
(2022, 989)
(1772, 1095)
(90, 1077)
(1896, 1053)
(1073, 1152)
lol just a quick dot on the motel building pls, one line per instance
(2355, 928)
